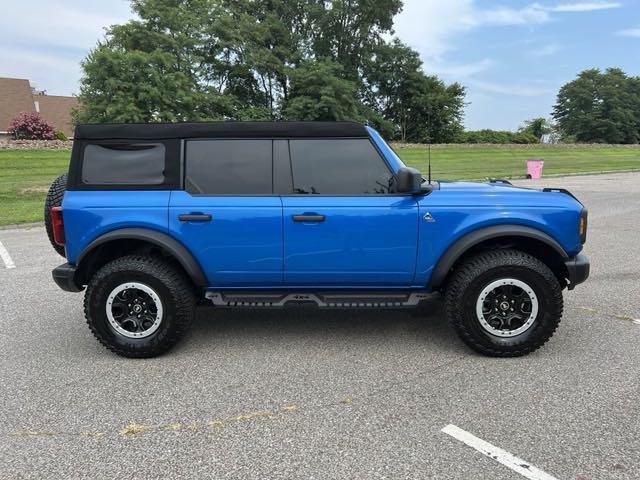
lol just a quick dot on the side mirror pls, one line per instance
(409, 180)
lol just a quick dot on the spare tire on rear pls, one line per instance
(54, 199)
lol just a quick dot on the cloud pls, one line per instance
(505, 16)
(431, 25)
(45, 41)
(58, 75)
(584, 6)
(511, 89)
(65, 24)
(458, 71)
(630, 32)
(546, 50)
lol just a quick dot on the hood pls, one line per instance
(502, 192)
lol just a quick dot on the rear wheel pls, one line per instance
(504, 303)
(54, 199)
(139, 306)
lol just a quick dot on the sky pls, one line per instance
(512, 56)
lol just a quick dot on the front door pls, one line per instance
(228, 216)
(342, 226)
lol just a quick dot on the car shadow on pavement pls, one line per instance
(426, 323)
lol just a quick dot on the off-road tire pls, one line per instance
(472, 276)
(173, 288)
(54, 199)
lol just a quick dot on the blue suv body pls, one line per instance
(262, 214)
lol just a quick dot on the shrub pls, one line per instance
(31, 126)
(496, 136)
(60, 135)
(524, 137)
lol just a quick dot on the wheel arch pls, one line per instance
(127, 240)
(530, 240)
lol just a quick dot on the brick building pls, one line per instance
(16, 95)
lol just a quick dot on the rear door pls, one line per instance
(343, 227)
(227, 214)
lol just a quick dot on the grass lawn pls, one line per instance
(25, 175)
(457, 162)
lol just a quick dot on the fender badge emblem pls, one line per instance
(427, 216)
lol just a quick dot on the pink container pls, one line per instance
(534, 168)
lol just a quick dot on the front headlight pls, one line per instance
(582, 228)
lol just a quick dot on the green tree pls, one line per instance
(135, 86)
(420, 107)
(348, 31)
(152, 69)
(319, 93)
(600, 107)
(538, 127)
(266, 59)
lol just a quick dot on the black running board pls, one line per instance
(322, 300)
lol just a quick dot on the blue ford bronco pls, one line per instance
(153, 219)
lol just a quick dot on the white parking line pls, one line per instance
(6, 258)
(505, 458)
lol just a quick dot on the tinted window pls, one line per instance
(120, 164)
(336, 167)
(223, 167)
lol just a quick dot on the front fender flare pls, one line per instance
(460, 246)
(162, 240)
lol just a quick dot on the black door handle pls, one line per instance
(308, 217)
(194, 217)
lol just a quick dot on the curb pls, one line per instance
(21, 226)
(557, 175)
(583, 174)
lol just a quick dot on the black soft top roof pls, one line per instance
(153, 131)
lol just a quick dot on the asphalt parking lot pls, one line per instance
(339, 394)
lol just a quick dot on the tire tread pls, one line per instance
(462, 277)
(181, 290)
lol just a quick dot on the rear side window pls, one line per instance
(124, 164)
(338, 167)
(229, 167)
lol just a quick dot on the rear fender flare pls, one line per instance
(463, 244)
(162, 240)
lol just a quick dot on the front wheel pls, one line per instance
(504, 303)
(139, 306)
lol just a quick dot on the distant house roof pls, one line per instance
(16, 96)
(57, 110)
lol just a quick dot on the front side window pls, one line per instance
(124, 164)
(229, 167)
(338, 167)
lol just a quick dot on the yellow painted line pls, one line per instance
(134, 428)
(34, 433)
(612, 315)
